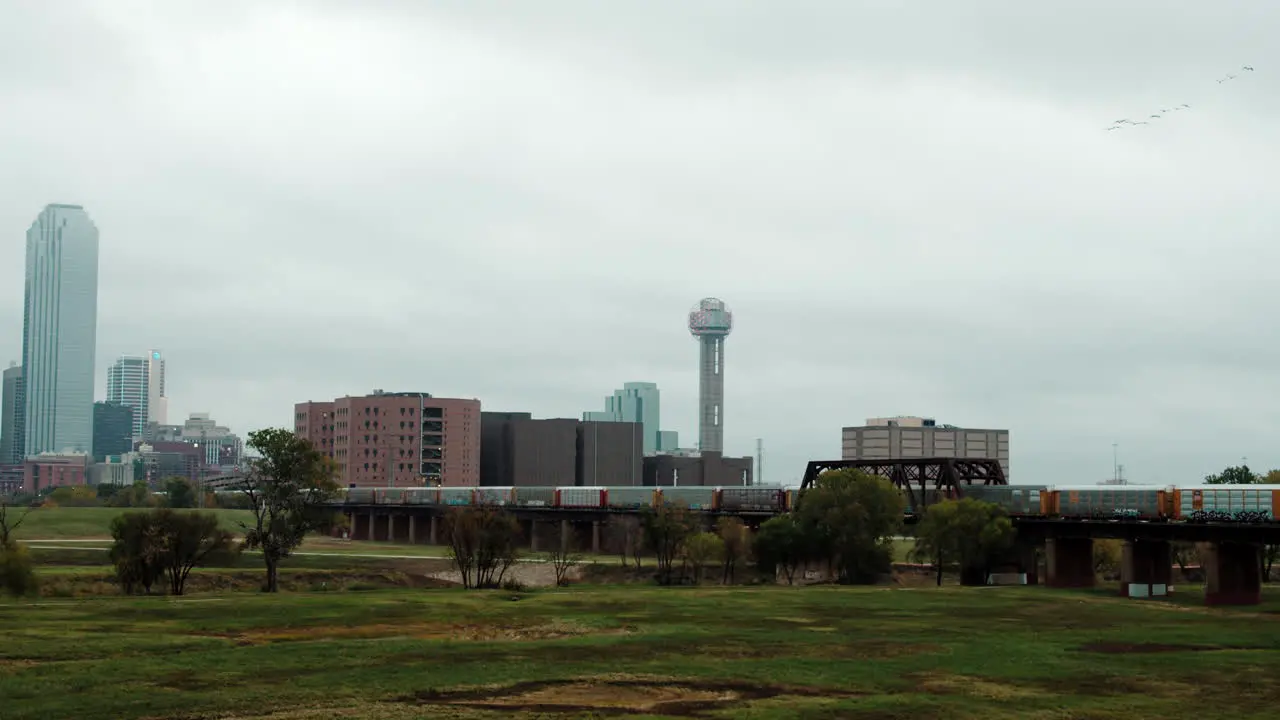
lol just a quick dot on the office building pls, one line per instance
(710, 322)
(138, 382)
(403, 439)
(112, 429)
(637, 402)
(921, 437)
(706, 468)
(42, 471)
(518, 450)
(11, 411)
(219, 446)
(59, 331)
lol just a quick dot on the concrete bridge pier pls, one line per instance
(533, 536)
(1070, 562)
(1232, 573)
(380, 527)
(413, 529)
(595, 537)
(1145, 569)
(359, 525)
(1029, 561)
(434, 537)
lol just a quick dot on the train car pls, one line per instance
(422, 496)
(629, 497)
(1228, 501)
(752, 498)
(361, 496)
(457, 496)
(580, 497)
(1147, 502)
(1015, 499)
(694, 497)
(533, 497)
(500, 496)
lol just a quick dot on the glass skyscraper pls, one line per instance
(59, 331)
(636, 402)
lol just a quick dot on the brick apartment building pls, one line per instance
(396, 439)
(48, 470)
(518, 450)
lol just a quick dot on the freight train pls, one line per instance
(1206, 503)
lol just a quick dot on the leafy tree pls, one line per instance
(1236, 475)
(700, 549)
(1271, 478)
(482, 543)
(966, 532)
(666, 528)
(179, 493)
(136, 495)
(17, 572)
(626, 534)
(736, 540)
(781, 544)
(1107, 555)
(164, 543)
(851, 518)
(288, 488)
(135, 552)
(73, 496)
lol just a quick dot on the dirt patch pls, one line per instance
(617, 696)
(973, 687)
(1114, 648)
(554, 630)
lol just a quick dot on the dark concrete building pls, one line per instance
(517, 450)
(610, 453)
(708, 468)
(112, 429)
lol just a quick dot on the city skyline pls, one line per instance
(939, 223)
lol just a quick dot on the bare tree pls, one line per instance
(482, 543)
(561, 559)
(666, 528)
(9, 525)
(627, 535)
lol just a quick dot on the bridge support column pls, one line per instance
(566, 532)
(533, 536)
(595, 537)
(1029, 562)
(1232, 575)
(434, 534)
(358, 526)
(373, 526)
(1070, 562)
(1145, 569)
(413, 529)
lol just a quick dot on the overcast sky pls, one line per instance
(909, 211)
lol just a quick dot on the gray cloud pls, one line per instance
(909, 211)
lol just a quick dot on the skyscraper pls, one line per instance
(112, 430)
(59, 330)
(138, 383)
(710, 322)
(636, 402)
(11, 410)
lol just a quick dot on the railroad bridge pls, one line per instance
(1230, 551)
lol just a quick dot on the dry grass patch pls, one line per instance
(941, 684)
(466, 632)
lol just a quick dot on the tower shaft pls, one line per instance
(711, 393)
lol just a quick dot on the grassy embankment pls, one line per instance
(765, 652)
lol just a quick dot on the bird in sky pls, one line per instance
(1125, 122)
(1247, 67)
(1156, 116)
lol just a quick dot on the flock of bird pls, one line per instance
(1124, 123)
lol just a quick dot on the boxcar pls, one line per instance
(422, 496)
(1015, 499)
(693, 497)
(533, 496)
(1229, 499)
(360, 496)
(493, 495)
(580, 497)
(1106, 502)
(753, 498)
(630, 497)
(457, 495)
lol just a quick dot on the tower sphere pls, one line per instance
(710, 317)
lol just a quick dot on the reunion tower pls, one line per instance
(710, 322)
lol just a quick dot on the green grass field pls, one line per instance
(761, 652)
(74, 523)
